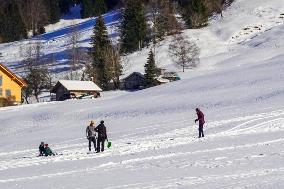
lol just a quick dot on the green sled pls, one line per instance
(108, 144)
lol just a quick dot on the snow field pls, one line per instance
(238, 85)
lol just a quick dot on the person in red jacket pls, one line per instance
(200, 118)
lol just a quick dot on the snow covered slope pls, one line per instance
(56, 42)
(239, 86)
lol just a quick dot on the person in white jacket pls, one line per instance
(91, 135)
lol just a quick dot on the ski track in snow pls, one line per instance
(239, 84)
(133, 152)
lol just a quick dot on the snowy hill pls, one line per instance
(239, 85)
(56, 42)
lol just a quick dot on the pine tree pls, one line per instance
(99, 7)
(86, 8)
(53, 10)
(65, 6)
(12, 27)
(112, 3)
(134, 27)
(166, 21)
(194, 12)
(100, 43)
(151, 70)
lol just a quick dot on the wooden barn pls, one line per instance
(67, 89)
(134, 81)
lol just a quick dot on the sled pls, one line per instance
(108, 144)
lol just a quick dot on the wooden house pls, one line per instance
(66, 89)
(10, 86)
(171, 76)
(134, 81)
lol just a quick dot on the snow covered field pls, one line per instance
(239, 86)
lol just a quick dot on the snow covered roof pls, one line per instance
(73, 85)
(162, 80)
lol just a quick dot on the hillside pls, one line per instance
(238, 85)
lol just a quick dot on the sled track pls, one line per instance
(168, 149)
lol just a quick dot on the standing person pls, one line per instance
(200, 118)
(91, 135)
(102, 136)
(41, 149)
(47, 151)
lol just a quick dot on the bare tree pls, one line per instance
(36, 72)
(74, 53)
(114, 65)
(163, 19)
(88, 72)
(34, 14)
(183, 52)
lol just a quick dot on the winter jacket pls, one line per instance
(200, 117)
(91, 131)
(48, 152)
(41, 150)
(101, 129)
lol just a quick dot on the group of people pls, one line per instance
(44, 150)
(97, 135)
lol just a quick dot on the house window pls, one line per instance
(1, 92)
(8, 93)
(1, 78)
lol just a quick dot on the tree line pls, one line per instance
(18, 17)
(143, 22)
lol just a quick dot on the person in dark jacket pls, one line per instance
(102, 136)
(41, 149)
(200, 118)
(91, 135)
(47, 151)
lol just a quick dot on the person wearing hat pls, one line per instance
(41, 149)
(47, 151)
(102, 136)
(200, 118)
(91, 135)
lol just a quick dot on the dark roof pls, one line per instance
(135, 73)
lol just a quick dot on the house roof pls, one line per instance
(162, 80)
(73, 85)
(170, 74)
(135, 73)
(13, 76)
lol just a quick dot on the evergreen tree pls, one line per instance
(100, 43)
(166, 22)
(111, 4)
(12, 27)
(99, 7)
(53, 10)
(134, 27)
(86, 8)
(194, 12)
(151, 70)
(65, 6)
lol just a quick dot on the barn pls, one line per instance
(66, 89)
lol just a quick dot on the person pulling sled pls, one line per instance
(102, 136)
